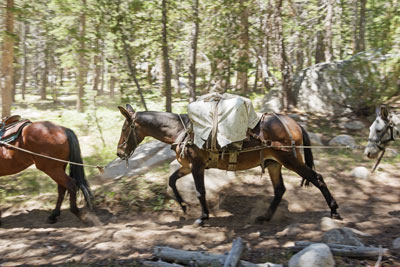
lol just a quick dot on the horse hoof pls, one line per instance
(51, 220)
(184, 208)
(261, 219)
(198, 223)
(336, 216)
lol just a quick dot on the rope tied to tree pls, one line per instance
(100, 168)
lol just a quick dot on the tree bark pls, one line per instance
(96, 63)
(82, 69)
(166, 68)
(24, 60)
(346, 250)
(7, 66)
(328, 31)
(244, 61)
(361, 31)
(287, 97)
(234, 255)
(192, 67)
(197, 258)
(45, 73)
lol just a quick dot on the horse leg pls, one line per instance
(275, 174)
(172, 183)
(198, 176)
(316, 179)
(56, 212)
(63, 180)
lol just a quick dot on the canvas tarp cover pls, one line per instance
(235, 115)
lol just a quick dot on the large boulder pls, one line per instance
(343, 140)
(146, 156)
(315, 255)
(335, 87)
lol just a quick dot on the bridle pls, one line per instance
(131, 134)
(379, 142)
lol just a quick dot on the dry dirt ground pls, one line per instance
(123, 235)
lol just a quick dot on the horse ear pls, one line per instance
(130, 109)
(125, 113)
(384, 113)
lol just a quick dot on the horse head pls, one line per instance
(130, 134)
(382, 131)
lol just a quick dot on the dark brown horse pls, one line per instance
(167, 127)
(55, 141)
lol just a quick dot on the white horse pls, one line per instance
(383, 130)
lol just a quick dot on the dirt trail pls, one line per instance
(113, 236)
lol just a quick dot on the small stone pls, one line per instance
(396, 243)
(360, 172)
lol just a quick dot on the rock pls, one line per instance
(291, 230)
(360, 172)
(146, 156)
(329, 87)
(344, 236)
(214, 179)
(316, 255)
(327, 224)
(315, 139)
(295, 116)
(272, 101)
(343, 140)
(391, 153)
(396, 243)
(353, 125)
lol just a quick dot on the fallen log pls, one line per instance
(357, 252)
(234, 255)
(199, 258)
(160, 264)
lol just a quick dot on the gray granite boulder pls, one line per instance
(315, 255)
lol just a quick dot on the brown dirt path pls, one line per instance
(115, 236)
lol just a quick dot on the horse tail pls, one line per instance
(308, 155)
(76, 171)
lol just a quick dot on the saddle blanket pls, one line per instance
(230, 115)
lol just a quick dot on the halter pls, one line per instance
(381, 143)
(131, 133)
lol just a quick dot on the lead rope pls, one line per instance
(100, 168)
(379, 160)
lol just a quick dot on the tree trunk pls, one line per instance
(166, 69)
(82, 70)
(355, 27)
(361, 31)
(287, 97)
(45, 73)
(112, 85)
(7, 66)
(192, 68)
(24, 60)
(96, 63)
(177, 70)
(328, 31)
(244, 62)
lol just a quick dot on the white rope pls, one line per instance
(100, 168)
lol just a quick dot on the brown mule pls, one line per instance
(49, 139)
(167, 127)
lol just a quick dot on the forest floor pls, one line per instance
(134, 214)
